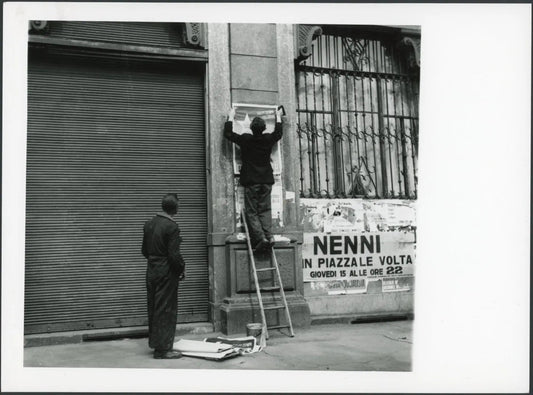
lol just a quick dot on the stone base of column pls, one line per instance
(237, 312)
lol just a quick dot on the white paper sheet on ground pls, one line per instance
(247, 345)
(185, 345)
(213, 355)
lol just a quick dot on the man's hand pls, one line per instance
(181, 277)
(279, 113)
(231, 114)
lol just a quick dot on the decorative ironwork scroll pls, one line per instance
(305, 36)
(356, 52)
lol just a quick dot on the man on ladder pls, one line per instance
(257, 176)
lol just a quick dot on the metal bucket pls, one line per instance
(254, 329)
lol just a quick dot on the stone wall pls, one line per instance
(249, 64)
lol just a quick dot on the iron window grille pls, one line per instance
(358, 118)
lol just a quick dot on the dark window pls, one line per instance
(358, 117)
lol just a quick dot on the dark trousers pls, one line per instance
(162, 295)
(257, 206)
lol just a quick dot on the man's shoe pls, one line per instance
(169, 354)
(261, 246)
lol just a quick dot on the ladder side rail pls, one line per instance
(256, 280)
(282, 291)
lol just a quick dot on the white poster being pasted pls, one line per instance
(244, 114)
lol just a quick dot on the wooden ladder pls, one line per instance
(276, 288)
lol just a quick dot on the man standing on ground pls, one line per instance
(256, 176)
(161, 247)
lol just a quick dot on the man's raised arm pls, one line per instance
(228, 128)
(278, 128)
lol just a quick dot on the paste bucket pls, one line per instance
(254, 329)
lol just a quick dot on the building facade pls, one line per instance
(120, 113)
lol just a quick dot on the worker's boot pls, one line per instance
(167, 354)
(262, 245)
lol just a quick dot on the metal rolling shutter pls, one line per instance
(153, 34)
(106, 140)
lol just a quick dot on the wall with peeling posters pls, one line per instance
(358, 256)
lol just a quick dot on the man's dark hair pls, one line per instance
(170, 203)
(258, 125)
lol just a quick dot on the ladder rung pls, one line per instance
(265, 269)
(278, 326)
(269, 289)
(275, 307)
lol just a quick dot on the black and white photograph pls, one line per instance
(117, 128)
(207, 192)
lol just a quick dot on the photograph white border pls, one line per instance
(471, 328)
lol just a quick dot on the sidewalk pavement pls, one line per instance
(381, 346)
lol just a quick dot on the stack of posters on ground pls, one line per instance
(217, 348)
(246, 345)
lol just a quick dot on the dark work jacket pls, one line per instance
(161, 243)
(255, 154)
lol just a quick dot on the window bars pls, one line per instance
(357, 119)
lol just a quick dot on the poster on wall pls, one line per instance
(340, 287)
(357, 215)
(244, 114)
(395, 284)
(357, 255)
